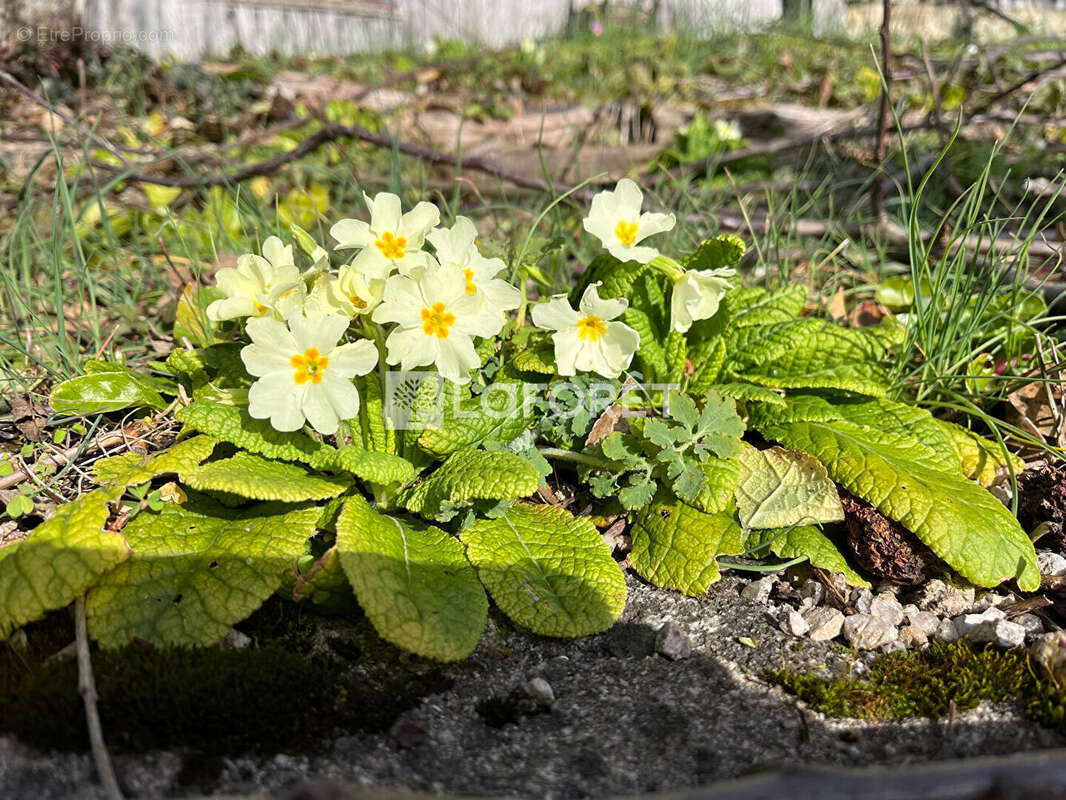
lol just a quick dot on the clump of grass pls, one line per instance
(931, 683)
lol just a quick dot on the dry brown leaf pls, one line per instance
(836, 307)
(1030, 409)
(867, 313)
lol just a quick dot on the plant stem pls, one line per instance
(877, 192)
(561, 454)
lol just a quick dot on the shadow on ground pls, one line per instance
(625, 720)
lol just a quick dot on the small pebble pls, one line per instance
(865, 632)
(988, 600)
(945, 631)
(759, 591)
(235, 640)
(839, 582)
(944, 599)
(793, 623)
(540, 690)
(887, 586)
(862, 600)
(893, 647)
(913, 637)
(1001, 632)
(925, 621)
(1051, 564)
(966, 623)
(672, 643)
(886, 608)
(812, 593)
(825, 623)
(1034, 626)
(1048, 650)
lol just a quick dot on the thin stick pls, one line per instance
(87, 690)
(877, 193)
(328, 133)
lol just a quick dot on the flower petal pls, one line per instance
(604, 308)
(650, 224)
(568, 346)
(278, 254)
(628, 197)
(352, 233)
(261, 360)
(385, 212)
(277, 398)
(320, 331)
(417, 222)
(556, 314)
(410, 348)
(456, 357)
(354, 358)
(319, 410)
(342, 395)
(272, 334)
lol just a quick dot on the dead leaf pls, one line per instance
(29, 417)
(612, 419)
(867, 313)
(616, 536)
(836, 307)
(1030, 409)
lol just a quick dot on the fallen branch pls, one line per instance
(328, 133)
(87, 689)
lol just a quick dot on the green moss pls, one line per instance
(929, 683)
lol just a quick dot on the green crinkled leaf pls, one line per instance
(813, 353)
(62, 558)
(538, 357)
(249, 475)
(675, 545)
(809, 541)
(501, 413)
(650, 351)
(413, 581)
(756, 306)
(748, 391)
(885, 415)
(325, 587)
(982, 460)
(378, 435)
(720, 482)
(674, 351)
(233, 424)
(220, 364)
(196, 569)
(373, 467)
(472, 475)
(961, 522)
(130, 469)
(708, 358)
(616, 277)
(101, 392)
(723, 251)
(777, 488)
(547, 570)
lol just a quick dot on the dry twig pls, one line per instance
(87, 689)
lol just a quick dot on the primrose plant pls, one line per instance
(375, 426)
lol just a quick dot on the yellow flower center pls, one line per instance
(309, 366)
(471, 287)
(392, 247)
(357, 301)
(590, 328)
(436, 321)
(260, 309)
(626, 232)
